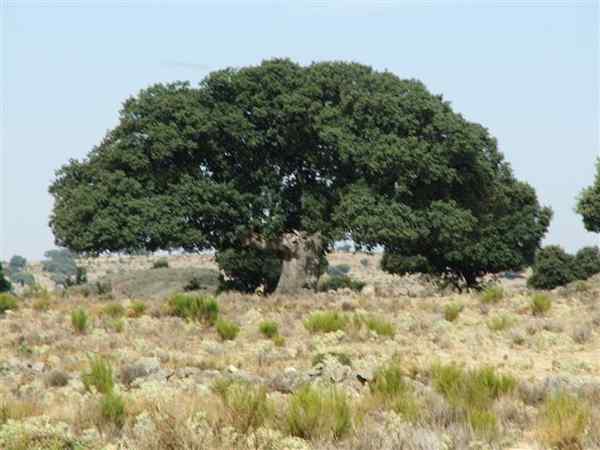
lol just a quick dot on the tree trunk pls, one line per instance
(301, 253)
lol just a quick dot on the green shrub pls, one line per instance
(342, 358)
(325, 322)
(196, 283)
(112, 409)
(380, 326)
(390, 388)
(79, 320)
(279, 341)
(540, 304)
(7, 302)
(563, 420)
(500, 323)
(192, 307)
(318, 412)
(492, 294)
(340, 282)
(161, 263)
(227, 330)
(117, 325)
(247, 405)
(452, 311)
(402, 265)
(137, 308)
(269, 329)
(587, 262)
(553, 267)
(472, 393)
(114, 310)
(100, 376)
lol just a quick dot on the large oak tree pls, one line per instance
(288, 159)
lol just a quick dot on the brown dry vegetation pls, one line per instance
(395, 375)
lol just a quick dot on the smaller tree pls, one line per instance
(553, 267)
(17, 263)
(63, 268)
(587, 262)
(588, 204)
(5, 285)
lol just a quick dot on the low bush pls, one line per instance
(112, 409)
(339, 282)
(492, 294)
(161, 263)
(79, 320)
(269, 329)
(227, 330)
(7, 302)
(325, 322)
(562, 421)
(452, 311)
(318, 412)
(23, 278)
(99, 376)
(114, 310)
(201, 308)
(500, 323)
(339, 270)
(279, 341)
(56, 378)
(540, 304)
(380, 326)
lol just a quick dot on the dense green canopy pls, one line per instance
(335, 149)
(589, 204)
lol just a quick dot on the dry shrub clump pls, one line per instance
(562, 422)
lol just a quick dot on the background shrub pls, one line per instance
(339, 270)
(401, 265)
(63, 269)
(160, 263)
(23, 278)
(553, 267)
(340, 282)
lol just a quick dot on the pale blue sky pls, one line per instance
(528, 73)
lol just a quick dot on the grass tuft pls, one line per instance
(269, 329)
(540, 304)
(452, 311)
(325, 322)
(79, 320)
(100, 376)
(492, 295)
(563, 420)
(227, 329)
(191, 307)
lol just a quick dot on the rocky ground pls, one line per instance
(180, 384)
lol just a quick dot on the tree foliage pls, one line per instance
(247, 269)
(587, 262)
(17, 263)
(335, 149)
(5, 285)
(63, 269)
(588, 204)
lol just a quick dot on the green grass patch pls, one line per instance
(492, 295)
(501, 323)
(540, 304)
(79, 320)
(452, 311)
(269, 329)
(227, 329)
(194, 307)
(114, 310)
(99, 376)
(318, 412)
(325, 322)
(7, 303)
